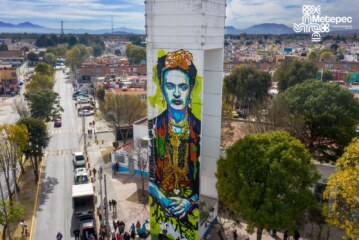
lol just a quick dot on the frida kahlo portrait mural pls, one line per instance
(175, 148)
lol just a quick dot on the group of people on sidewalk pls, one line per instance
(119, 232)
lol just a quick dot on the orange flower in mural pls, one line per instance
(181, 59)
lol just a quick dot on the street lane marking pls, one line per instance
(59, 131)
(60, 152)
(36, 198)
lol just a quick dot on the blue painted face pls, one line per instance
(176, 89)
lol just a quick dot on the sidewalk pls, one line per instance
(119, 187)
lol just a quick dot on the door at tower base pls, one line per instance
(175, 107)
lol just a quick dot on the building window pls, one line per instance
(13, 74)
(120, 158)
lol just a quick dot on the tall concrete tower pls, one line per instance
(185, 41)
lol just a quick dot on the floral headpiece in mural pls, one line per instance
(181, 59)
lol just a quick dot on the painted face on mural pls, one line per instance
(176, 89)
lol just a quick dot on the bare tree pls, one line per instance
(121, 111)
(141, 151)
(6, 155)
(21, 108)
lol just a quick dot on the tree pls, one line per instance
(38, 139)
(122, 111)
(21, 108)
(327, 75)
(312, 56)
(326, 55)
(50, 58)
(39, 82)
(248, 85)
(32, 57)
(44, 104)
(3, 47)
(141, 148)
(60, 50)
(100, 93)
(135, 54)
(329, 113)
(14, 213)
(97, 50)
(342, 192)
(294, 72)
(13, 144)
(43, 68)
(72, 41)
(265, 179)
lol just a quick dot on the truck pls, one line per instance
(83, 203)
(83, 199)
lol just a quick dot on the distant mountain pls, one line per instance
(28, 25)
(232, 30)
(265, 28)
(269, 28)
(32, 28)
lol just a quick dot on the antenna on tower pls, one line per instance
(62, 27)
(112, 25)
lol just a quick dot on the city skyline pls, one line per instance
(97, 14)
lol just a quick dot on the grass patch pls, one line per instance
(26, 197)
(106, 154)
(139, 197)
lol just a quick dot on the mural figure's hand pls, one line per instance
(180, 207)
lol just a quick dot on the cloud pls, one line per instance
(77, 13)
(245, 13)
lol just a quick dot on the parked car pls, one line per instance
(86, 112)
(235, 114)
(81, 176)
(57, 122)
(78, 159)
(82, 100)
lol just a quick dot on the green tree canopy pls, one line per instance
(342, 192)
(97, 50)
(14, 213)
(329, 114)
(39, 82)
(135, 54)
(50, 58)
(248, 85)
(294, 72)
(265, 179)
(327, 75)
(43, 68)
(32, 57)
(326, 55)
(44, 104)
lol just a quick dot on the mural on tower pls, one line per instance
(175, 130)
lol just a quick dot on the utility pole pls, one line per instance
(101, 199)
(5, 213)
(83, 126)
(106, 208)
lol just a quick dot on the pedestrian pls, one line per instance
(133, 235)
(285, 235)
(114, 225)
(77, 234)
(118, 236)
(26, 233)
(114, 205)
(93, 122)
(117, 165)
(138, 225)
(235, 235)
(109, 204)
(133, 228)
(59, 236)
(94, 171)
(296, 235)
(22, 223)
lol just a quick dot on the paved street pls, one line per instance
(54, 212)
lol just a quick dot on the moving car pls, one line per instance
(78, 159)
(82, 100)
(86, 112)
(57, 122)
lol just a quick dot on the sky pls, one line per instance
(97, 14)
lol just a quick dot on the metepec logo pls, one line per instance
(313, 22)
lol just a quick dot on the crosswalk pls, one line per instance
(61, 152)
(59, 131)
